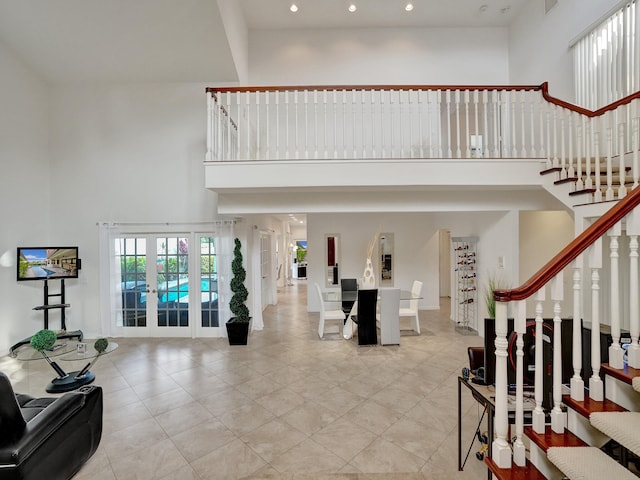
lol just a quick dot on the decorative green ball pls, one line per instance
(43, 340)
(101, 345)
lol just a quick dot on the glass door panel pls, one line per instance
(172, 266)
(135, 289)
(208, 283)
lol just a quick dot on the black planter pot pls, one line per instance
(237, 332)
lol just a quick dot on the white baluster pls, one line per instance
(558, 417)
(571, 173)
(615, 350)
(523, 103)
(448, 110)
(478, 151)
(354, 123)
(537, 416)
(391, 120)
(248, 115)
(633, 230)
(325, 102)
(596, 387)
(609, 191)
(401, 123)
(344, 123)
(438, 123)
(622, 189)
(373, 125)
(520, 327)
(362, 109)
(485, 126)
(579, 144)
(277, 97)
(457, 104)
(563, 157)
(556, 160)
(238, 132)
(267, 107)
(597, 195)
(501, 451)
(335, 124)
(466, 119)
(532, 122)
(209, 155)
(588, 137)
(420, 131)
(496, 113)
(257, 152)
(636, 150)
(430, 123)
(296, 130)
(316, 127)
(550, 154)
(577, 384)
(382, 115)
(541, 114)
(410, 108)
(512, 102)
(305, 96)
(286, 123)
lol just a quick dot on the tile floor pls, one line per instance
(287, 406)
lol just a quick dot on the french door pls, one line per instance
(169, 285)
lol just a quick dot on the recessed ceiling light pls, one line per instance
(293, 8)
(352, 8)
(408, 7)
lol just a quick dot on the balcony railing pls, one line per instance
(425, 122)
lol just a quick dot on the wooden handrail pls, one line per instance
(585, 111)
(349, 88)
(571, 251)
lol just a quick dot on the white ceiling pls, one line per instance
(185, 41)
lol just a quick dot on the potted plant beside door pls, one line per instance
(238, 324)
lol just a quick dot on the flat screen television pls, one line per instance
(44, 263)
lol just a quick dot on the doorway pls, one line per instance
(169, 284)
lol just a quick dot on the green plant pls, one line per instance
(240, 293)
(101, 345)
(43, 340)
(494, 283)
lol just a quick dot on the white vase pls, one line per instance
(368, 279)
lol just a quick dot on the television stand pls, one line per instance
(45, 307)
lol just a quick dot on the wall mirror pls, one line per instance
(332, 259)
(385, 249)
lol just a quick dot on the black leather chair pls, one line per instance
(349, 292)
(367, 330)
(47, 438)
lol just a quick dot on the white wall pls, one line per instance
(539, 44)
(379, 56)
(24, 191)
(123, 153)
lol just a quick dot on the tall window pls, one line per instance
(606, 61)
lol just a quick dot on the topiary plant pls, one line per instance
(101, 345)
(240, 293)
(43, 340)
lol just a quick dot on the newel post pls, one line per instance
(501, 451)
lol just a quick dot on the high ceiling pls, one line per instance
(185, 40)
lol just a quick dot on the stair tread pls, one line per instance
(626, 375)
(528, 472)
(587, 463)
(582, 192)
(589, 405)
(623, 427)
(552, 439)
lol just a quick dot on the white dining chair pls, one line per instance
(412, 309)
(335, 315)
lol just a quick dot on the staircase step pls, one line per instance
(587, 463)
(566, 180)
(528, 472)
(550, 170)
(550, 438)
(582, 192)
(626, 375)
(589, 406)
(623, 427)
